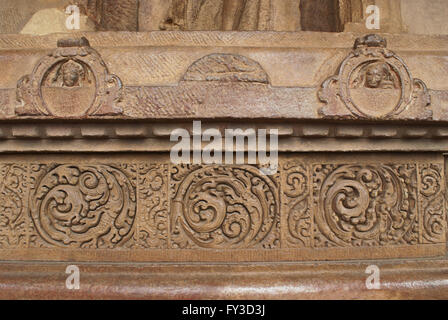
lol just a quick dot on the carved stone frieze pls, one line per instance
(363, 205)
(152, 210)
(73, 82)
(373, 82)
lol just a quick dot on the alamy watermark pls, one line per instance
(373, 280)
(230, 149)
(73, 280)
(73, 21)
(373, 19)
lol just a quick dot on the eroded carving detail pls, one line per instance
(153, 226)
(226, 67)
(13, 190)
(73, 81)
(432, 203)
(224, 207)
(373, 82)
(366, 205)
(297, 214)
(84, 206)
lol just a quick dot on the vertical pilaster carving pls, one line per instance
(153, 221)
(297, 216)
(432, 203)
(13, 207)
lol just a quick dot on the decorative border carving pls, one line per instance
(154, 211)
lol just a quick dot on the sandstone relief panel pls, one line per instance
(373, 82)
(224, 207)
(150, 210)
(72, 81)
(77, 206)
(367, 205)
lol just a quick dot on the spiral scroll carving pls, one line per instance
(432, 204)
(84, 206)
(226, 207)
(296, 204)
(368, 205)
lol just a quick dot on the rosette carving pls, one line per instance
(84, 206)
(225, 207)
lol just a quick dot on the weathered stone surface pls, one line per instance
(74, 80)
(423, 17)
(398, 16)
(224, 15)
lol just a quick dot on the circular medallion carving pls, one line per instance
(68, 88)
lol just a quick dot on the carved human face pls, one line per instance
(71, 74)
(374, 76)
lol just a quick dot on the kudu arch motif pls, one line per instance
(374, 82)
(72, 81)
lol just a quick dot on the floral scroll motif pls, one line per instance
(432, 203)
(366, 205)
(13, 189)
(84, 206)
(296, 207)
(225, 207)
